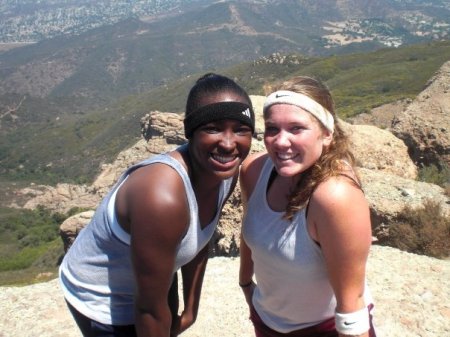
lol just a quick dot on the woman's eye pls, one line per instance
(243, 130)
(297, 128)
(210, 129)
(270, 129)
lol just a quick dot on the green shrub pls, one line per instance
(435, 174)
(30, 246)
(32, 264)
(27, 236)
(22, 259)
(424, 231)
(76, 210)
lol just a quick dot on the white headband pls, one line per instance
(304, 102)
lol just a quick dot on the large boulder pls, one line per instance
(70, 228)
(379, 150)
(425, 124)
(389, 194)
(61, 198)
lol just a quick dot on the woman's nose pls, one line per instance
(228, 140)
(282, 139)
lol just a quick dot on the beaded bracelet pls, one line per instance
(246, 284)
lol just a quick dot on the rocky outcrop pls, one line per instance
(379, 150)
(423, 123)
(389, 194)
(70, 228)
(61, 198)
(386, 170)
(168, 126)
(381, 116)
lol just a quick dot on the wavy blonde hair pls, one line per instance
(331, 162)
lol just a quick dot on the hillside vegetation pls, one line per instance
(29, 244)
(70, 148)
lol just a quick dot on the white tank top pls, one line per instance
(293, 290)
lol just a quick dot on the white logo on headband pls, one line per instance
(278, 95)
(246, 112)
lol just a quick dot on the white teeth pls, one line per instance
(285, 156)
(223, 159)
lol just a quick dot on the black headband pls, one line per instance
(213, 112)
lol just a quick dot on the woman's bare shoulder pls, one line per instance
(250, 171)
(338, 190)
(254, 162)
(154, 187)
(339, 202)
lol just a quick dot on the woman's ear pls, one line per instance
(327, 137)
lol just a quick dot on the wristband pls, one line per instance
(353, 323)
(246, 285)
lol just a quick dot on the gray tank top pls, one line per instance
(293, 291)
(96, 273)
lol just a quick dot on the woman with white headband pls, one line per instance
(306, 228)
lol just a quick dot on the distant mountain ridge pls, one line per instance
(68, 98)
(133, 56)
(51, 18)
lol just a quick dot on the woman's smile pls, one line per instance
(286, 156)
(225, 159)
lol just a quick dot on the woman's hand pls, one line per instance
(181, 323)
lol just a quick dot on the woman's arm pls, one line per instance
(246, 272)
(157, 215)
(192, 274)
(249, 174)
(340, 221)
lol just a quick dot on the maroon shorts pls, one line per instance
(324, 329)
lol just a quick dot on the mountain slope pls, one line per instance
(133, 55)
(73, 97)
(56, 150)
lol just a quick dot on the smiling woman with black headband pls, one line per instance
(306, 229)
(119, 276)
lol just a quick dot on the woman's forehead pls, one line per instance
(288, 113)
(223, 96)
(286, 110)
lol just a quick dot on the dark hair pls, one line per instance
(212, 83)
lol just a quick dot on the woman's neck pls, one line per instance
(201, 183)
(279, 190)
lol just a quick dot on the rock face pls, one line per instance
(383, 157)
(388, 194)
(379, 150)
(425, 124)
(168, 126)
(381, 116)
